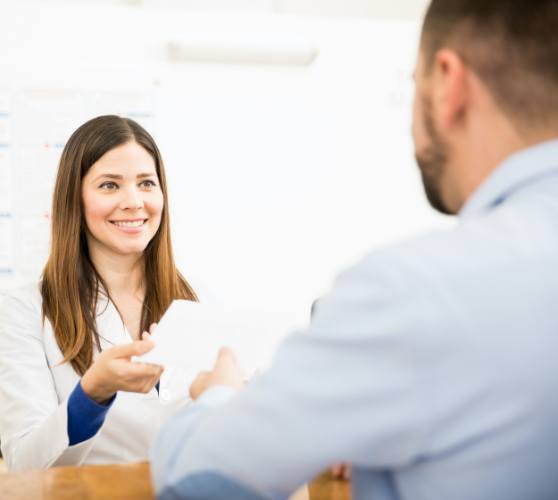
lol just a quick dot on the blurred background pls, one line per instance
(284, 126)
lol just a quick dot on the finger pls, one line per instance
(145, 336)
(149, 382)
(155, 380)
(225, 355)
(152, 328)
(197, 386)
(336, 470)
(141, 387)
(136, 348)
(200, 378)
(135, 371)
(157, 371)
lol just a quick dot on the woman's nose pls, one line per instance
(131, 200)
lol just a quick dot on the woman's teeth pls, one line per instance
(135, 223)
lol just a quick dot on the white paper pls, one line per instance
(190, 335)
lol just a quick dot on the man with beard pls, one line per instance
(432, 365)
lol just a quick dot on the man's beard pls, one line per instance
(432, 162)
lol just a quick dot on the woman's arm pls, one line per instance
(36, 429)
(33, 423)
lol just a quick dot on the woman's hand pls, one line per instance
(225, 372)
(113, 371)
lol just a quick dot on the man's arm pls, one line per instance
(348, 389)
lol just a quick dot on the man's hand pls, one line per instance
(341, 471)
(225, 372)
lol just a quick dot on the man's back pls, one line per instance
(430, 367)
(487, 326)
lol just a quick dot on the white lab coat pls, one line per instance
(34, 391)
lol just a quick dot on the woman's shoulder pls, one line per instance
(23, 302)
(30, 292)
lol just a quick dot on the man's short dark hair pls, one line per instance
(512, 45)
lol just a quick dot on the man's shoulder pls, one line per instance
(415, 259)
(490, 245)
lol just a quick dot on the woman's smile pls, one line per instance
(130, 226)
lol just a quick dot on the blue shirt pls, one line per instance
(85, 416)
(432, 367)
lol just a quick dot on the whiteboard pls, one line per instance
(280, 176)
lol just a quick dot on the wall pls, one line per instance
(280, 175)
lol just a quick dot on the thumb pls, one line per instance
(225, 356)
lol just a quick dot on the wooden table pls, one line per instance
(116, 482)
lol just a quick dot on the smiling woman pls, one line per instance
(122, 197)
(66, 345)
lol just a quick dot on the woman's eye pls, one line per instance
(148, 183)
(108, 185)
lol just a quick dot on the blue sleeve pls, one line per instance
(85, 416)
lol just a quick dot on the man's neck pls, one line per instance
(479, 159)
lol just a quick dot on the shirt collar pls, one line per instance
(517, 170)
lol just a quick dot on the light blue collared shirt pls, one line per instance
(432, 367)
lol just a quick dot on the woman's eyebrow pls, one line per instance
(117, 176)
(109, 176)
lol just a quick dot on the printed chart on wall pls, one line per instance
(35, 124)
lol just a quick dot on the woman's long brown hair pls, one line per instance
(71, 285)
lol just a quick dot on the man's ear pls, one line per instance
(450, 90)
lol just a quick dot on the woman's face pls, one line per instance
(122, 201)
